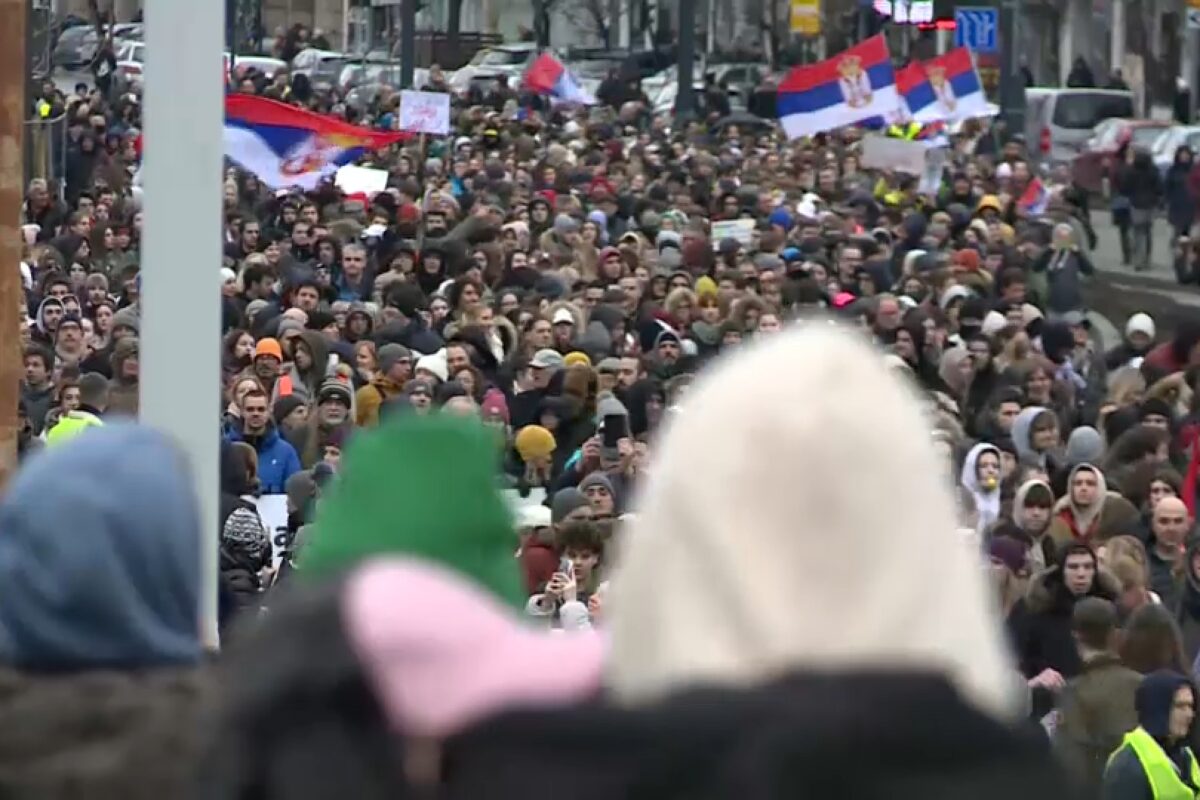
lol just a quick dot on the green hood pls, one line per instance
(419, 486)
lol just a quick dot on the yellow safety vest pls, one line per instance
(71, 425)
(43, 109)
(907, 132)
(1160, 772)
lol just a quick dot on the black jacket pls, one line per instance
(300, 722)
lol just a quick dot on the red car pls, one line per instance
(1092, 169)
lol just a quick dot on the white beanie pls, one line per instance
(434, 364)
(1140, 322)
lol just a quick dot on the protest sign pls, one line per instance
(425, 112)
(273, 511)
(898, 155)
(740, 229)
(361, 180)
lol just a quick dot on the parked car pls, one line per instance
(76, 46)
(509, 60)
(1058, 122)
(131, 63)
(359, 74)
(321, 66)
(1169, 140)
(1093, 168)
(264, 64)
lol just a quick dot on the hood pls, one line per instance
(427, 675)
(1153, 700)
(1084, 446)
(318, 347)
(99, 560)
(1084, 517)
(40, 318)
(1022, 428)
(987, 501)
(1018, 505)
(1047, 593)
(123, 350)
(695, 602)
(441, 505)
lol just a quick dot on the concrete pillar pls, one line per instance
(1116, 58)
(1189, 61)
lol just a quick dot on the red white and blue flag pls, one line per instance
(286, 146)
(946, 88)
(855, 85)
(549, 77)
(1035, 198)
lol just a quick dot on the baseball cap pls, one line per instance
(563, 315)
(547, 359)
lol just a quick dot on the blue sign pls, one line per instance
(977, 28)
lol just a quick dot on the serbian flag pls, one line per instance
(1035, 198)
(944, 88)
(853, 86)
(548, 76)
(287, 146)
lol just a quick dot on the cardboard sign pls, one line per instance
(898, 155)
(740, 229)
(425, 112)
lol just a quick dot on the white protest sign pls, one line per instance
(425, 112)
(740, 229)
(273, 510)
(931, 176)
(884, 152)
(361, 180)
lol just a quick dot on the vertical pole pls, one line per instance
(1117, 53)
(1012, 85)
(408, 42)
(685, 100)
(181, 367)
(12, 125)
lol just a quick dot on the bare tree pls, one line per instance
(590, 16)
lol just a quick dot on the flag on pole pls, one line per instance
(951, 90)
(548, 76)
(1035, 198)
(287, 146)
(853, 86)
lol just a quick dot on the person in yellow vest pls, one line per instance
(908, 131)
(93, 400)
(1154, 761)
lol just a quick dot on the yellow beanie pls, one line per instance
(706, 285)
(534, 441)
(576, 357)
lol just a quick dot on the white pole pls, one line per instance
(180, 326)
(1117, 55)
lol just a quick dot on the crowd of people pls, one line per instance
(626, 505)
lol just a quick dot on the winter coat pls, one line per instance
(313, 714)
(1095, 712)
(370, 398)
(1117, 517)
(1181, 202)
(277, 460)
(123, 392)
(1064, 270)
(100, 695)
(1141, 183)
(1040, 622)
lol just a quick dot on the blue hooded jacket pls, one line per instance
(1154, 698)
(99, 556)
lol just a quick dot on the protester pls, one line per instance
(100, 690)
(1155, 759)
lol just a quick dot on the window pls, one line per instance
(1082, 110)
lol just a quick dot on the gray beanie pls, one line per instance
(1085, 446)
(565, 223)
(564, 502)
(597, 479)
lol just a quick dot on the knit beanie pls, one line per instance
(452, 512)
(576, 357)
(533, 442)
(564, 502)
(286, 405)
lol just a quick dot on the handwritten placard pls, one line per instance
(425, 112)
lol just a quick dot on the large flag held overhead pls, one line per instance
(287, 146)
(550, 77)
(943, 88)
(853, 86)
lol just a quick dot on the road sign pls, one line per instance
(977, 28)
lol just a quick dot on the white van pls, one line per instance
(1059, 121)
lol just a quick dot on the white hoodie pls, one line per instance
(797, 519)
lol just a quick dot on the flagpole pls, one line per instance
(180, 308)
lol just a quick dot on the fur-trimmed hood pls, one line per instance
(105, 735)
(1046, 589)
